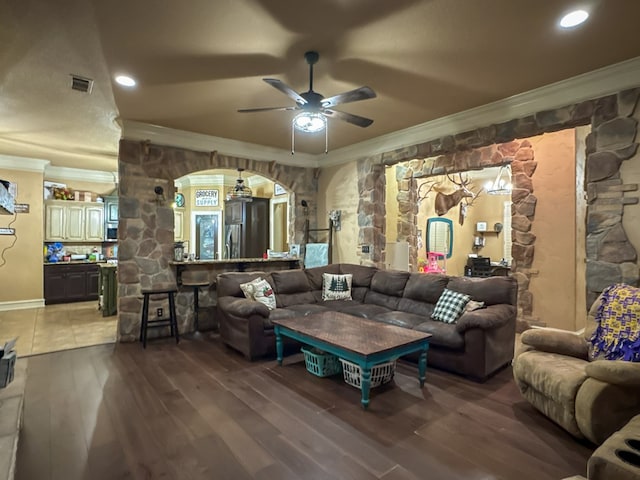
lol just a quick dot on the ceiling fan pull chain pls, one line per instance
(326, 140)
(293, 138)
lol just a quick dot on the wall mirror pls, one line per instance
(440, 236)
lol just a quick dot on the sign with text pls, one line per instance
(21, 207)
(206, 198)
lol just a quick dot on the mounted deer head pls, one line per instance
(446, 201)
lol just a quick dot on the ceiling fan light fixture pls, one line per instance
(310, 122)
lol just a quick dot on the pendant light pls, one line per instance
(240, 192)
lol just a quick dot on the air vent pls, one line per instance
(81, 84)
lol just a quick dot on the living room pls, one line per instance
(366, 187)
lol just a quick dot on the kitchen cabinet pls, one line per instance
(73, 221)
(70, 283)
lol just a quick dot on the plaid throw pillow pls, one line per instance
(336, 287)
(450, 306)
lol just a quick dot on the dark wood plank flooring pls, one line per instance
(198, 410)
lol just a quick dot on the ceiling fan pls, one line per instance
(314, 107)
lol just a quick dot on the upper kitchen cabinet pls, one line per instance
(73, 221)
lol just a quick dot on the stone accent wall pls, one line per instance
(610, 256)
(372, 211)
(145, 233)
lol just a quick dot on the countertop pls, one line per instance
(236, 260)
(76, 262)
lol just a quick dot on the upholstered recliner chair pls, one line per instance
(589, 398)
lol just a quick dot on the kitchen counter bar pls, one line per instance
(215, 267)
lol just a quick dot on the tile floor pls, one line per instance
(57, 327)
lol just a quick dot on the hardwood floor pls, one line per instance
(200, 411)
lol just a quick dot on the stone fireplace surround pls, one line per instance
(146, 233)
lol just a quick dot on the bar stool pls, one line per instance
(195, 280)
(158, 291)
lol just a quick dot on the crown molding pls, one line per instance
(64, 173)
(24, 164)
(597, 83)
(132, 130)
(200, 181)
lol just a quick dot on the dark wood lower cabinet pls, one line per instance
(70, 283)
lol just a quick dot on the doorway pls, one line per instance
(279, 224)
(206, 234)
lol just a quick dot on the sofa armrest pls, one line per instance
(242, 307)
(493, 316)
(556, 341)
(617, 372)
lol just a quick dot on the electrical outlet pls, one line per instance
(365, 248)
(159, 312)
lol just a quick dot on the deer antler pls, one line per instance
(462, 183)
(429, 186)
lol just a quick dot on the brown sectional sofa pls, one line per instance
(477, 345)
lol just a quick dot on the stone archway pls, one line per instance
(520, 155)
(145, 234)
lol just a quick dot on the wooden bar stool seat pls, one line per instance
(195, 280)
(158, 292)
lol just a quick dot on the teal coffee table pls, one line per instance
(359, 340)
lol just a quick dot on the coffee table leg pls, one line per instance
(422, 365)
(278, 344)
(366, 384)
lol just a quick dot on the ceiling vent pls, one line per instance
(81, 84)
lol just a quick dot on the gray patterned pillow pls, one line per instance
(450, 306)
(336, 286)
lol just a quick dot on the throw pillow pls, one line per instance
(473, 305)
(336, 286)
(450, 306)
(261, 291)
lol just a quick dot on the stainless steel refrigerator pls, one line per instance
(246, 231)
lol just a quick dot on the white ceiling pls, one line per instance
(197, 62)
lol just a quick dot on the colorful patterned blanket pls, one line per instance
(617, 335)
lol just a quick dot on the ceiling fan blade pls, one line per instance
(265, 109)
(362, 93)
(348, 117)
(286, 89)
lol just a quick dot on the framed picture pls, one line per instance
(481, 226)
(278, 189)
(206, 198)
(294, 250)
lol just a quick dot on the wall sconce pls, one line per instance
(305, 207)
(334, 216)
(159, 191)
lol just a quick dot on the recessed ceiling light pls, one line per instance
(125, 81)
(574, 18)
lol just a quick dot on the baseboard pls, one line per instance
(21, 304)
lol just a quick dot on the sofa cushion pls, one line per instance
(490, 290)
(400, 319)
(364, 310)
(551, 382)
(444, 334)
(228, 284)
(290, 281)
(304, 309)
(450, 306)
(389, 282)
(361, 275)
(390, 302)
(336, 286)
(314, 275)
(292, 287)
(425, 287)
(358, 293)
(338, 305)
(416, 307)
